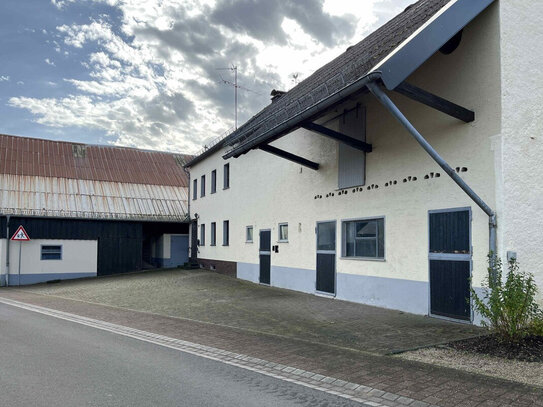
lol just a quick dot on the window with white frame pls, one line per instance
(283, 232)
(194, 190)
(202, 235)
(51, 252)
(249, 234)
(213, 181)
(225, 233)
(213, 234)
(364, 238)
(203, 186)
(226, 176)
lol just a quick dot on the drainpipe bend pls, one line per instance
(381, 96)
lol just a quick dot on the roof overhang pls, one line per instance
(393, 70)
(427, 40)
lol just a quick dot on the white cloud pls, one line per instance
(49, 62)
(4, 78)
(152, 79)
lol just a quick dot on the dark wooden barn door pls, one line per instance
(326, 257)
(450, 263)
(265, 256)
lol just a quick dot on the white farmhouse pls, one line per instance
(388, 175)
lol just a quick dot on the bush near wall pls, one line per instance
(508, 305)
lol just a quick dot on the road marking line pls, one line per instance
(347, 390)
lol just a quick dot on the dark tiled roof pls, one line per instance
(46, 158)
(350, 66)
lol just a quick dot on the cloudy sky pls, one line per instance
(155, 73)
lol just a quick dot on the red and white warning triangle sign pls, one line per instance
(20, 234)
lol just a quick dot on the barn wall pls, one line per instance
(119, 243)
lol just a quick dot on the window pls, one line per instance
(249, 234)
(51, 252)
(364, 238)
(203, 186)
(202, 235)
(213, 234)
(194, 190)
(226, 176)
(352, 162)
(283, 232)
(225, 233)
(213, 181)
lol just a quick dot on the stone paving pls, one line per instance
(211, 297)
(282, 344)
(368, 396)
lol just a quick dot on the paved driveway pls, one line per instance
(217, 299)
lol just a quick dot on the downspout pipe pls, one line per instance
(381, 96)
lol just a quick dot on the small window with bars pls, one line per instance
(249, 234)
(283, 232)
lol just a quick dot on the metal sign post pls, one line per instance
(19, 271)
(21, 236)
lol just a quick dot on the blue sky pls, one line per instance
(144, 73)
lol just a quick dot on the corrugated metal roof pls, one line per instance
(60, 159)
(82, 198)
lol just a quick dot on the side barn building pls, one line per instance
(89, 210)
(388, 175)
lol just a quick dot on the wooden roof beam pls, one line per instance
(435, 102)
(289, 156)
(336, 135)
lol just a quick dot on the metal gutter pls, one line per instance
(381, 96)
(295, 121)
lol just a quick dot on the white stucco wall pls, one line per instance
(79, 259)
(266, 190)
(520, 191)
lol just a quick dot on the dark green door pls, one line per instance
(326, 257)
(450, 263)
(265, 256)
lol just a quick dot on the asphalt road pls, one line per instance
(45, 361)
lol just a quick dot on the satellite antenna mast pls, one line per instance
(235, 84)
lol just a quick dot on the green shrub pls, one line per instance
(536, 327)
(509, 306)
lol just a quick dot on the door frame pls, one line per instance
(324, 293)
(453, 257)
(264, 230)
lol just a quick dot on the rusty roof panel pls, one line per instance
(80, 198)
(60, 159)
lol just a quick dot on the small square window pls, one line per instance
(51, 252)
(283, 232)
(249, 234)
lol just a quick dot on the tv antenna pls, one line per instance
(235, 84)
